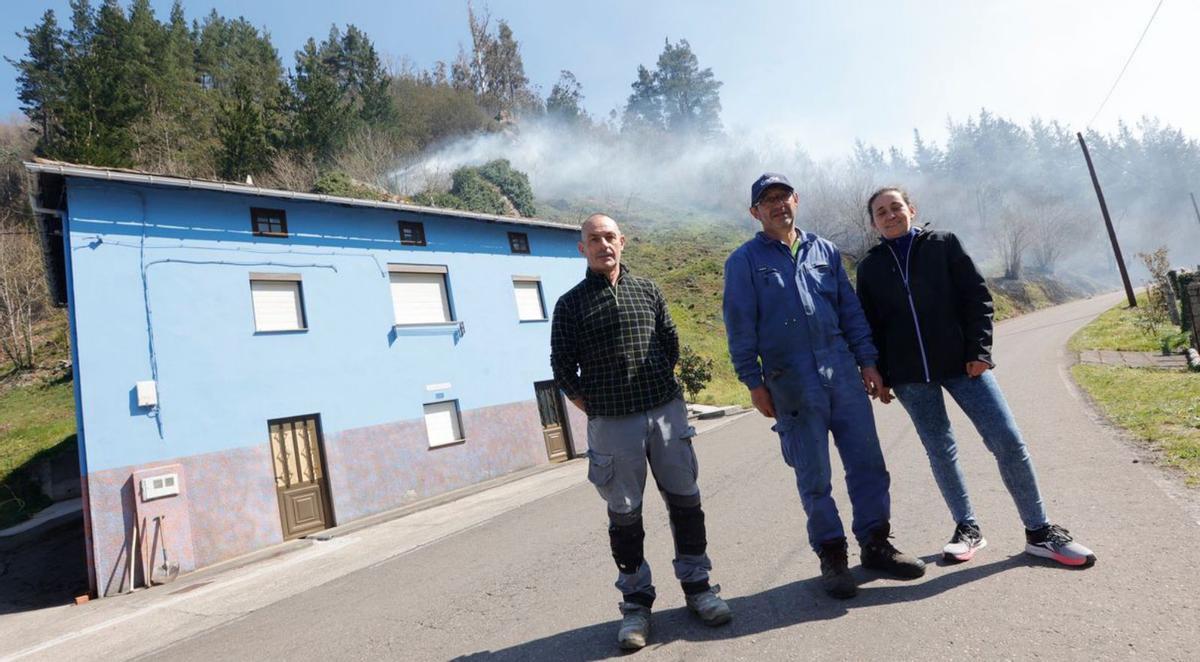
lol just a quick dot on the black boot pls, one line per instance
(878, 554)
(835, 571)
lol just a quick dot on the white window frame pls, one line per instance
(447, 406)
(447, 303)
(301, 315)
(541, 299)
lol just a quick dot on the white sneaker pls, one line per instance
(967, 540)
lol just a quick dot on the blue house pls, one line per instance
(255, 365)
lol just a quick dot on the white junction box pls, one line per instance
(162, 485)
(147, 394)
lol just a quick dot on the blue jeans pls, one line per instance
(981, 400)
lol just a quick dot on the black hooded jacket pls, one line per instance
(946, 322)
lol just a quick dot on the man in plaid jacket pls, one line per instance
(613, 348)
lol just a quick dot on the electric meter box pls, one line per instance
(162, 485)
(147, 394)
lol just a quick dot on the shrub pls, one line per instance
(493, 188)
(695, 371)
(339, 183)
(514, 184)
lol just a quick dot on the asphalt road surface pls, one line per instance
(523, 572)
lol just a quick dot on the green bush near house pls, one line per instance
(340, 184)
(476, 193)
(493, 188)
(513, 183)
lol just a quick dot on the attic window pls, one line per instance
(518, 242)
(412, 233)
(268, 222)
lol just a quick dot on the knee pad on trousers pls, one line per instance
(687, 525)
(626, 537)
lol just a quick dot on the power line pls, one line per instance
(1127, 61)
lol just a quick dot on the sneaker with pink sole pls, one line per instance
(1055, 543)
(967, 540)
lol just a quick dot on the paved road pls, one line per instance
(522, 572)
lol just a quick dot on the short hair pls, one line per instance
(886, 189)
(598, 215)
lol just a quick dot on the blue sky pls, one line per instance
(818, 73)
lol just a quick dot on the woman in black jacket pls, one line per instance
(931, 317)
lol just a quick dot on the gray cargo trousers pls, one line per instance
(619, 450)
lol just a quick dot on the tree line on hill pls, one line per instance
(212, 97)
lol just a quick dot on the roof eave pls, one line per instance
(91, 172)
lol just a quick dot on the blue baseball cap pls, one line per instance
(767, 180)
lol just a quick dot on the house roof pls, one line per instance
(46, 166)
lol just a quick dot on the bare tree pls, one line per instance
(833, 203)
(292, 172)
(1013, 231)
(1056, 229)
(371, 156)
(22, 289)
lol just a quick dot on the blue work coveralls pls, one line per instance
(795, 325)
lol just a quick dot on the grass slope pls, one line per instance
(1158, 407)
(37, 420)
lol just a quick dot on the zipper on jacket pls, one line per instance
(911, 306)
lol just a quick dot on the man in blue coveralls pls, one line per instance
(800, 342)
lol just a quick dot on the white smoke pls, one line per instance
(607, 171)
(600, 166)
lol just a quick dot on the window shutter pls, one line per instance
(529, 300)
(276, 305)
(441, 422)
(420, 298)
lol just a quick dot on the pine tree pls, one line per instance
(41, 84)
(691, 97)
(363, 80)
(242, 128)
(565, 98)
(643, 110)
(928, 158)
(101, 100)
(320, 112)
(678, 97)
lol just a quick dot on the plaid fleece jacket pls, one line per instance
(615, 346)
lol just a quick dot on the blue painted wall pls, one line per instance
(219, 381)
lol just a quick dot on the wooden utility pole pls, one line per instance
(1112, 234)
(1195, 207)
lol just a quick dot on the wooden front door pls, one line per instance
(300, 481)
(555, 426)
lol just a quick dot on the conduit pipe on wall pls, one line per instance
(150, 317)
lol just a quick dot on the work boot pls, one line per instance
(835, 570)
(1054, 542)
(712, 610)
(877, 553)
(635, 626)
